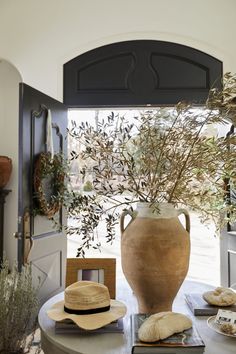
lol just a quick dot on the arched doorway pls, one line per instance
(140, 73)
(10, 78)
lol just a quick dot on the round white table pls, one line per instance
(117, 343)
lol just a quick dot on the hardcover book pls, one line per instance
(186, 342)
(200, 307)
(68, 326)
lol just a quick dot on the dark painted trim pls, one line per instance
(140, 73)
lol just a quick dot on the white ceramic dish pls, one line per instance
(211, 323)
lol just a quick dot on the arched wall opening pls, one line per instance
(139, 73)
(10, 78)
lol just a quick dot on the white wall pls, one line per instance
(39, 36)
(9, 111)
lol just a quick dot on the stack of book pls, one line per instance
(187, 342)
(200, 307)
(68, 326)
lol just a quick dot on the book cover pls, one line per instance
(200, 307)
(68, 326)
(185, 342)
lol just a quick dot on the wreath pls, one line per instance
(49, 175)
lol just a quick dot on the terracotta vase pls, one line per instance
(5, 170)
(155, 250)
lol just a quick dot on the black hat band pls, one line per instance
(87, 312)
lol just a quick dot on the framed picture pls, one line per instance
(101, 270)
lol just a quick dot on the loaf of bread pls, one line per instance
(220, 297)
(162, 325)
(228, 328)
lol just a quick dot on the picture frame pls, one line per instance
(101, 270)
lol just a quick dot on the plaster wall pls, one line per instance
(39, 36)
(9, 111)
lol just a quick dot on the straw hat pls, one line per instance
(88, 304)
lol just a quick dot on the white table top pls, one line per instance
(117, 343)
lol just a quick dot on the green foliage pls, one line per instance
(50, 175)
(162, 156)
(18, 309)
(88, 186)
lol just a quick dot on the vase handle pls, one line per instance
(122, 219)
(187, 218)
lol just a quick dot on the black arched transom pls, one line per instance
(140, 73)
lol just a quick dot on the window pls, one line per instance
(205, 248)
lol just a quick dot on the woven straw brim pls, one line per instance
(89, 322)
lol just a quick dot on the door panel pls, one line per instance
(228, 242)
(48, 252)
(140, 73)
(228, 258)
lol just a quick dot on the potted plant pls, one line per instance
(165, 160)
(5, 170)
(18, 310)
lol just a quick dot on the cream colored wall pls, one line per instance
(9, 111)
(39, 36)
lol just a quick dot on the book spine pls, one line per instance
(199, 312)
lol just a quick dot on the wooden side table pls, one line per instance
(3, 194)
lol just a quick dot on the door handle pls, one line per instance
(17, 235)
(28, 242)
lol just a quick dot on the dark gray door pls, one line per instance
(228, 244)
(228, 258)
(40, 242)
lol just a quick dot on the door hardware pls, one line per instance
(17, 235)
(28, 242)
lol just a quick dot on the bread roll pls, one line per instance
(220, 297)
(162, 325)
